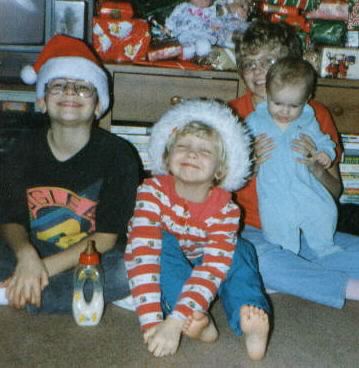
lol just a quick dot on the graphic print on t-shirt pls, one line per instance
(61, 216)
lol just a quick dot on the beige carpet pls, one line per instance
(305, 335)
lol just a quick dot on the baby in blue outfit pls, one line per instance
(291, 200)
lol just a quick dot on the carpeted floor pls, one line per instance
(305, 335)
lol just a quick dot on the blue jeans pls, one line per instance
(57, 296)
(321, 280)
(243, 285)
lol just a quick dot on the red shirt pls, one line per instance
(207, 229)
(247, 196)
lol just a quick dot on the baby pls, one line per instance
(291, 200)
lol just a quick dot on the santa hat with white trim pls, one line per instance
(236, 139)
(68, 57)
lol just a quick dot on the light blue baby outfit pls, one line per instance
(291, 200)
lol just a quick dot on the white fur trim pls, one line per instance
(217, 115)
(76, 68)
(28, 74)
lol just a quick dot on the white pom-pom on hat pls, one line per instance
(28, 74)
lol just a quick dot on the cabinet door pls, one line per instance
(343, 103)
(144, 97)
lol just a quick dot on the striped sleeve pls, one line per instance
(142, 256)
(202, 286)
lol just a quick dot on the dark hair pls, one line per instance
(262, 33)
(291, 70)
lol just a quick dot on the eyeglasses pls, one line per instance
(264, 63)
(81, 88)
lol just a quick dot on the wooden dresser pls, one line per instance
(142, 94)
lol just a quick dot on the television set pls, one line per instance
(26, 26)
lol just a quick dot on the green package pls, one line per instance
(327, 32)
(306, 5)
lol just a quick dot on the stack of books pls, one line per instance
(349, 168)
(139, 136)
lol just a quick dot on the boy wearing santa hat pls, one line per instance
(65, 184)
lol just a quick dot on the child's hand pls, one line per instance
(306, 146)
(27, 282)
(163, 339)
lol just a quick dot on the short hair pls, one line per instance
(200, 130)
(291, 71)
(262, 33)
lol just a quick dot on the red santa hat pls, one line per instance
(68, 57)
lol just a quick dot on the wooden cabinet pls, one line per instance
(341, 97)
(142, 94)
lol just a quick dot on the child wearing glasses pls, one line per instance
(63, 185)
(285, 186)
(328, 280)
(183, 248)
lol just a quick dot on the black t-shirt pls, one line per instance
(62, 202)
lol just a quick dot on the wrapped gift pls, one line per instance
(115, 10)
(330, 9)
(220, 59)
(121, 40)
(328, 32)
(279, 9)
(164, 50)
(305, 5)
(342, 63)
(296, 21)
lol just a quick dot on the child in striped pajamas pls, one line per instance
(183, 246)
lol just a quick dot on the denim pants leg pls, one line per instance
(175, 270)
(288, 273)
(57, 296)
(346, 261)
(243, 285)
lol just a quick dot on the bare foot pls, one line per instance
(255, 326)
(200, 327)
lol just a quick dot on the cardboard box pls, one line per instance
(339, 63)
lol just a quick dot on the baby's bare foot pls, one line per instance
(199, 326)
(255, 326)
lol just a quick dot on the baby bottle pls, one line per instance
(88, 272)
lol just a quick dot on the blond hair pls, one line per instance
(200, 130)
